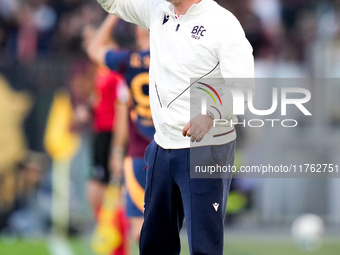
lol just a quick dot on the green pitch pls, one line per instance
(239, 247)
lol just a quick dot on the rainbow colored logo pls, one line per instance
(209, 93)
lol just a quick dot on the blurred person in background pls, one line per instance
(30, 216)
(71, 22)
(108, 105)
(30, 29)
(133, 63)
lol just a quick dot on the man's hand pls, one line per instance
(198, 127)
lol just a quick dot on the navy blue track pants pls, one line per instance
(171, 194)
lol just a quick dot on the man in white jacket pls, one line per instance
(189, 40)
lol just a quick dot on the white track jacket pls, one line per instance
(206, 42)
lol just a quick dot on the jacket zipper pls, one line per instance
(177, 27)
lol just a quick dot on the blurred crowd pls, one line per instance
(303, 33)
(281, 29)
(35, 27)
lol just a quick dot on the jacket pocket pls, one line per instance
(159, 99)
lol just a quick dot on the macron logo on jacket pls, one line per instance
(166, 18)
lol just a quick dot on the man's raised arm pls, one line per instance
(134, 11)
(100, 43)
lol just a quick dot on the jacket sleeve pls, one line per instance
(237, 67)
(134, 11)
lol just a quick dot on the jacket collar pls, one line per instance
(194, 10)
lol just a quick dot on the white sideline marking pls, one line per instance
(59, 246)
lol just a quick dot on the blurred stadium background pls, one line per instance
(44, 156)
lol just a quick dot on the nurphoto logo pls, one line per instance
(241, 100)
